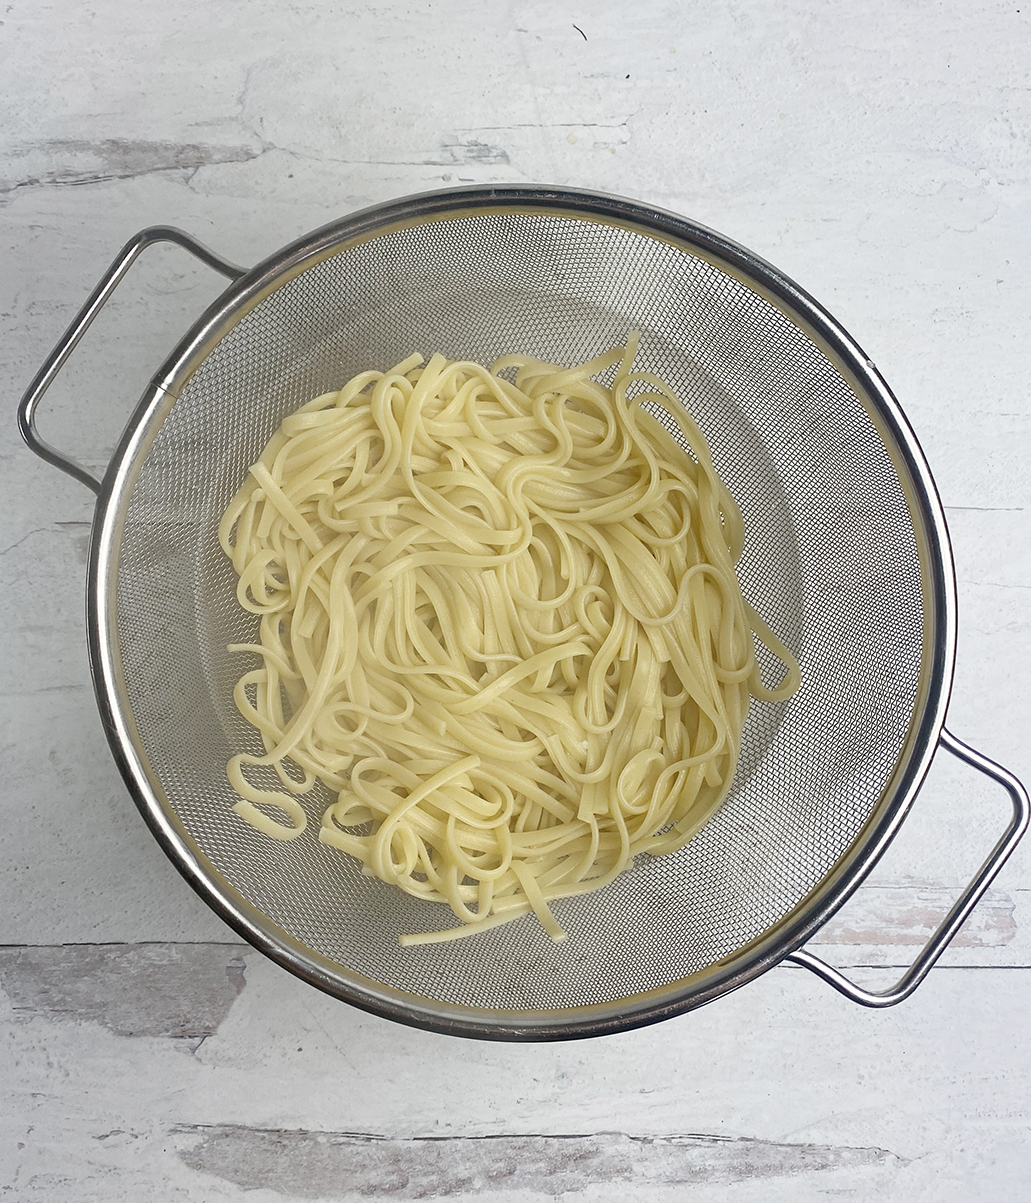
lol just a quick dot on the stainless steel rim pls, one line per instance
(754, 959)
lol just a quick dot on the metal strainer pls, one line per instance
(847, 556)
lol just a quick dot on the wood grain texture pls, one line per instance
(174, 990)
(326, 1164)
(881, 155)
(781, 1091)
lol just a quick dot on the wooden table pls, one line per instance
(878, 153)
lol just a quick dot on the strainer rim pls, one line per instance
(632, 1011)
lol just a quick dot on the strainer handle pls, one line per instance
(55, 361)
(964, 904)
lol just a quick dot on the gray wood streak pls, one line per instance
(172, 990)
(70, 162)
(908, 915)
(346, 1164)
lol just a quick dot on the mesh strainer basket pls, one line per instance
(846, 555)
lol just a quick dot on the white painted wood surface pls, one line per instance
(880, 154)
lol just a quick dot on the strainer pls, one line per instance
(847, 556)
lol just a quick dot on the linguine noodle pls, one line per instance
(500, 621)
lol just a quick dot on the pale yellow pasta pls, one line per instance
(500, 621)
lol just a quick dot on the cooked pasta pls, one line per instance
(500, 621)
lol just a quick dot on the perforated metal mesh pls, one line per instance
(831, 561)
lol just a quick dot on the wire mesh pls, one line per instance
(831, 560)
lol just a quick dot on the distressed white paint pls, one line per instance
(881, 154)
(938, 1088)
